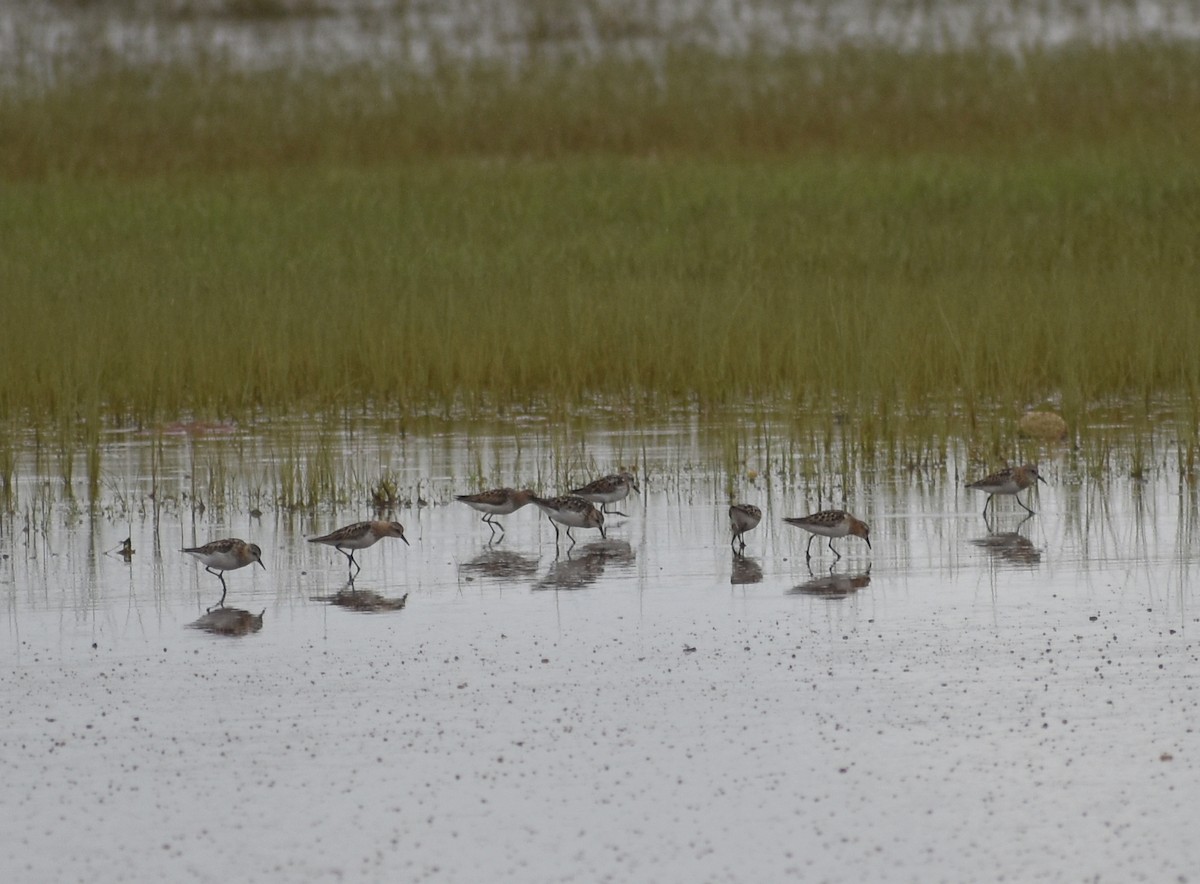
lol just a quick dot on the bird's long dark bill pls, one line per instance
(405, 539)
(261, 565)
(868, 540)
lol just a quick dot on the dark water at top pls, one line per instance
(45, 41)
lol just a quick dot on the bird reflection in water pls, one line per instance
(230, 621)
(499, 564)
(365, 600)
(833, 586)
(745, 570)
(1009, 547)
(585, 567)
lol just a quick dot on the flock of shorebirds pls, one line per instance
(578, 509)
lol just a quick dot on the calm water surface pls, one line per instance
(1018, 696)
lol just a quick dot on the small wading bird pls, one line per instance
(608, 489)
(497, 502)
(358, 536)
(571, 512)
(831, 524)
(1010, 481)
(226, 555)
(743, 517)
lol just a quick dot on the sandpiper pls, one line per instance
(360, 535)
(1009, 481)
(226, 555)
(608, 489)
(743, 517)
(496, 502)
(571, 512)
(831, 524)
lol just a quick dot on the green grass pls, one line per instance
(889, 232)
(136, 122)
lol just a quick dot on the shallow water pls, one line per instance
(1018, 697)
(42, 42)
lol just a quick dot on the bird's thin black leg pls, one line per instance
(220, 575)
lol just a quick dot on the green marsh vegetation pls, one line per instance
(878, 240)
